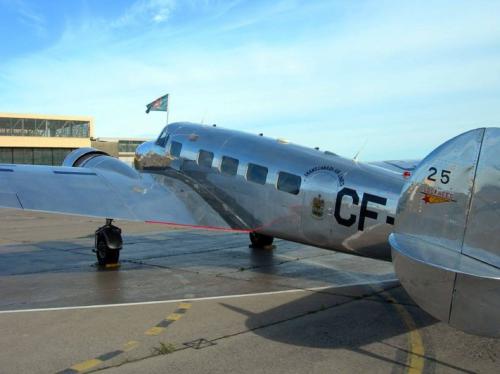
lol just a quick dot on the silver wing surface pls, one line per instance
(108, 192)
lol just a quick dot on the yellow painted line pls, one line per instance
(127, 347)
(174, 317)
(132, 344)
(86, 365)
(184, 306)
(415, 360)
(154, 331)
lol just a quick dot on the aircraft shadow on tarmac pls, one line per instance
(337, 317)
(349, 318)
(169, 266)
(182, 250)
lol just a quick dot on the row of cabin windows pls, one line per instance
(255, 173)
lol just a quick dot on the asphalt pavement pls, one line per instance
(204, 302)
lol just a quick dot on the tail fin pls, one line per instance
(446, 242)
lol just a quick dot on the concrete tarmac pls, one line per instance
(198, 302)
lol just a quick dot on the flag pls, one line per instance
(160, 104)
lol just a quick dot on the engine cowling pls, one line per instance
(94, 158)
(446, 241)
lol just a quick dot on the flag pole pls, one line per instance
(168, 106)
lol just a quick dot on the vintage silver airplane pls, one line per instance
(437, 219)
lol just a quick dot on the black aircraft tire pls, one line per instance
(105, 255)
(260, 240)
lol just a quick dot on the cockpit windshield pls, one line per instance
(163, 138)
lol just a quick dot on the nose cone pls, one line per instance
(141, 153)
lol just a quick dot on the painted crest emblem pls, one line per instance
(318, 207)
(435, 196)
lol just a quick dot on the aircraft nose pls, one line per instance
(140, 154)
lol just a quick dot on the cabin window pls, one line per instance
(289, 183)
(205, 158)
(163, 138)
(229, 165)
(175, 149)
(257, 173)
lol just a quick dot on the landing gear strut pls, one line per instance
(260, 240)
(108, 243)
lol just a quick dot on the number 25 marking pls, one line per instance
(445, 175)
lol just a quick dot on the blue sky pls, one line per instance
(400, 76)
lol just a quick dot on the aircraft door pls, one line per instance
(320, 191)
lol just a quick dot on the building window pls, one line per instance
(6, 155)
(23, 155)
(42, 156)
(289, 183)
(256, 173)
(205, 158)
(229, 165)
(129, 146)
(36, 156)
(10, 126)
(59, 154)
(175, 149)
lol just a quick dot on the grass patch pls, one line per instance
(164, 349)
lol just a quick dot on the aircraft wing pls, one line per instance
(112, 190)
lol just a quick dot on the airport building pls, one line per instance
(42, 139)
(47, 139)
(122, 148)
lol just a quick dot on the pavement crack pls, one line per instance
(286, 261)
(429, 358)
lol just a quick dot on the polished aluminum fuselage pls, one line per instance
(341, 205)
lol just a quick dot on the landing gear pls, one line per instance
(260, 240)
(108, 243)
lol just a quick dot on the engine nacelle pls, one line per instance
(96, 159)
(446, 242)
